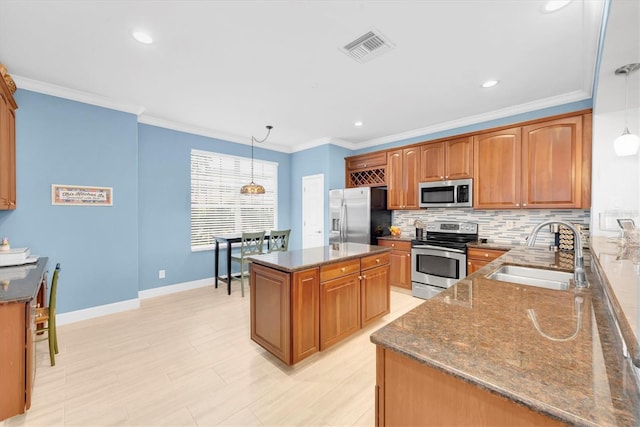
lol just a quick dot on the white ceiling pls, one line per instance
(228, 68)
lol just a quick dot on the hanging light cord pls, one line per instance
(626, 100)
(259, 141)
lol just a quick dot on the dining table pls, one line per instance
(228, 240)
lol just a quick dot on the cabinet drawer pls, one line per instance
(399, 245)
(339, 269)
(367, 161)
(374, 260)
(484, 254)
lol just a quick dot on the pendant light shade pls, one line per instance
(626, 144)
(252, 187)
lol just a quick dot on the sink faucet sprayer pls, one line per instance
(578, 264)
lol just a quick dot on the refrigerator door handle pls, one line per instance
(343, 222)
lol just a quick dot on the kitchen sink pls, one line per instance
(540, 277)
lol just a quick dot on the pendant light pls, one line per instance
(252, 187)
(626, 144)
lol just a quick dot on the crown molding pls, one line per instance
(76, 95)
(480, 118)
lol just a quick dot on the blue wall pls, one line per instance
(65, 142)
(165, 203)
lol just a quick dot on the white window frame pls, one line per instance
(216, 180)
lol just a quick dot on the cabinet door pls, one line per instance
(305, 314)
(552, 164)
(400, 269)
(375, 294)
(271, 323)
(411, 166)
(432, 162)
(395, 193)
(339, 309)
(458, 159)
(7, 154)
(497, 158)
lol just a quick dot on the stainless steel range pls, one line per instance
(439, 258)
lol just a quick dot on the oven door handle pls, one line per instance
(439, 248)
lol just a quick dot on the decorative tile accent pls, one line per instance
(500, 226)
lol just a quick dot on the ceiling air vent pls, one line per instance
(368, 46)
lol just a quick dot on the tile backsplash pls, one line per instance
(499, 226)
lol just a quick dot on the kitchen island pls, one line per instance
(305, 301)
(487, 352)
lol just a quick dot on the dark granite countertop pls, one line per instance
(303, 259)
(21, 283)
(400, 238)
(490, 245)
(570, 368)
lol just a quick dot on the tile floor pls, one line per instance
(186, 359)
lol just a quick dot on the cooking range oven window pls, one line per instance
(438, 266)
(438, 194)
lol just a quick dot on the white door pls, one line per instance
(313, 211)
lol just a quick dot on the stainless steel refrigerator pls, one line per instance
(358, 215)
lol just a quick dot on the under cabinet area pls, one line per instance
(300, 307)
(399, 262)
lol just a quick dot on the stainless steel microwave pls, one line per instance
(446, 194)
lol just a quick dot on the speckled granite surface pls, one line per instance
(313, 257)
(21, 283)
(619, 269)
(571, 368)
(491, 245)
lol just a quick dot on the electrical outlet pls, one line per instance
(161, 274)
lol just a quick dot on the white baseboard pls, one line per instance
(172, 289)
(101, 310)
(132, 304)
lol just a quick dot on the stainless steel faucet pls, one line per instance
(579, 273)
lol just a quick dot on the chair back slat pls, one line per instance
(279, 240)
(252, 243)
(54, 291)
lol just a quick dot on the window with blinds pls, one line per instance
(217, 207)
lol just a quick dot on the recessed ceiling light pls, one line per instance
(490, 83)
(358, 124)
(142, 37)
(554, 5)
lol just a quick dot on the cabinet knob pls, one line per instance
(409, 255)
(364, 165)
(486, 255)
(378, 260)
(393, 245)
(441, 177)
(447, 176)
(359, 277)
(524, 204)
(517, 204)
(469, 263)
(364, 277)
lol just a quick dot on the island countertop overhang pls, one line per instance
(303, 259)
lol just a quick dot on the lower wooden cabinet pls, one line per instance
(478, 258)
(339, 309)
(399, 262)
(409, 393)
(296, 314)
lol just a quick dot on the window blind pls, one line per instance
(217, 207)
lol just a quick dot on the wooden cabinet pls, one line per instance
(339, 309)
(366, 170)
(409, 393)
(446, 160)
(497, 157)
(296, 314)
(8, 108)
(478, 258)
(375, 293)
(399, 262)
(535, 166)
(402, 180)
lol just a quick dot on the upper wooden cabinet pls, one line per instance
(8, 108)
(402, 179)
(534, 166)
(446, 160)
(497, 157)
(366, 170)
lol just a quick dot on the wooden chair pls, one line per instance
(48, 315)
(279, 240)
(251, 244)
